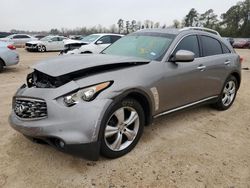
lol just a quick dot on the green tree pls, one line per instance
(176, 24)
(209, 19)
(120, 24)
(191, 19)
(127, 26)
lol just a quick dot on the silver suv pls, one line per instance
(89, 104)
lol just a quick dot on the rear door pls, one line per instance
(60, 43)
(217, 59)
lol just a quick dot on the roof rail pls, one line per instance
(201, 29)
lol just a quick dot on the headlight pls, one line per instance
(86, 94)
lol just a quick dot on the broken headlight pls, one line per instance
(86, 94)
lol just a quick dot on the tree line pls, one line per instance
(233, 23)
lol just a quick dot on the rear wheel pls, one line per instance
(228, 94)
(122, 128)
(41, 48)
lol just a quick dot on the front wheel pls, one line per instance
(122, 128)
(228, 94)
(41, 48)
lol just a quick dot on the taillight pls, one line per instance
(11, 47)
(241, 59)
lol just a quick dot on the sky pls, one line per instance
(43, 15)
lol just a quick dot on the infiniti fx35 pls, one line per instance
(91, 104)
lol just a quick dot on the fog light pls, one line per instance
(70, 100)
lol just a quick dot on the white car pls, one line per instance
(94, 43)
(8, 55)
(18, 39)
(49, 43)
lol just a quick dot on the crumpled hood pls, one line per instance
(62, 65)
(71, 41)
(35, 42)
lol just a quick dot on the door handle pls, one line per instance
(227, 62)
(201, 67)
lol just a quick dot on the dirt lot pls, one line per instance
(197, 148)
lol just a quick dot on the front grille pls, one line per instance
(29, 108)
(28, 44)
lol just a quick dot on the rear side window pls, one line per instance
(115, 38)
(21, 37)
(189, 43)
(225, 49)
(210, 46)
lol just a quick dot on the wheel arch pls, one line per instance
(2, 61)
(144, 100)
(238, 77)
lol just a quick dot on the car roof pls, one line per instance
(175, 31)
(158, 30)
(103, 34)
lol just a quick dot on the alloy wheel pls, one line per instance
(121, 128)
(229, 93)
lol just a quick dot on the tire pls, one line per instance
(122, 128)
(41, 48)
(86, 52)
(34, 140)
(228, 94)
(1, 65)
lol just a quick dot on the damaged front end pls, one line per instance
(41, 80)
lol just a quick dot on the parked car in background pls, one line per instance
(39, 36)
(99, 103)
(49, 43)
(76, 37)
(4, 34)
(94, 43)
(18, 39)
(8, 55)
(71, 44)
(242, 43)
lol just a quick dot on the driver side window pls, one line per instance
(105, 40)
(189, 43)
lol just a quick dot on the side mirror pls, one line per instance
(99, 42)
(183, 56)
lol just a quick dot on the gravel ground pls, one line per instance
(197, 148)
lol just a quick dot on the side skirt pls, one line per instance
(187, 106)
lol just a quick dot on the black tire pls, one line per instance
(86, 52)
(35, 140)
(220, 105)
(126, 105)
(41, 48)
(1, 65)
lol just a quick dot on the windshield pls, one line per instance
(90, 38)
(150, 46)
(46, 38)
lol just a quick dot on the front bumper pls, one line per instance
(32, 47)
(74, 126)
